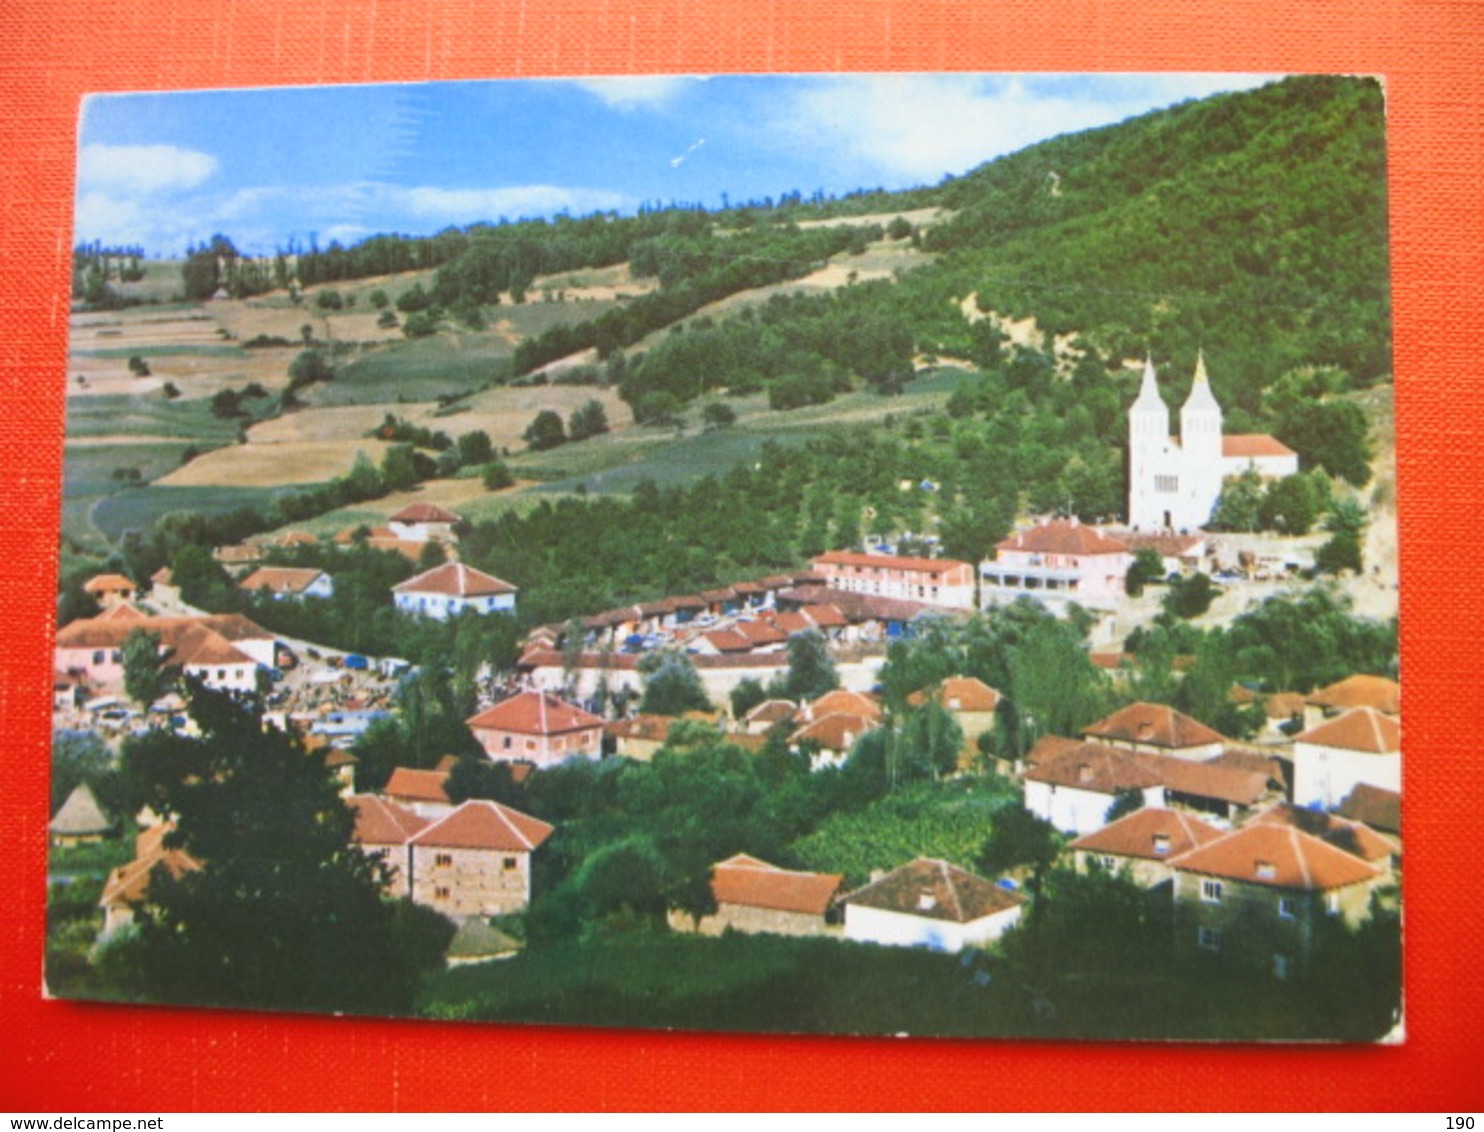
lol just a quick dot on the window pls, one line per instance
(1211, 891)
(505, 743)
(530, 744)
(442, 892)
(99, 657)
(1109, 863)
(511, 864)
(443, 860)
(1287, 908)
(1161, 843)
(1208, 939)
(1332, 903)
(1167, 484)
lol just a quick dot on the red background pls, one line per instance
(57, 1056)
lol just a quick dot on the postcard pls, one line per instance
(855, 554)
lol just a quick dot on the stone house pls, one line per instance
(1142, 844)
(755, 897)
(1260, 896)
(475, 861)
(383, 830)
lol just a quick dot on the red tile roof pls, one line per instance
(753, 883)
(1212, 780)
(759, 633)
(424, 513)
(836, 731)
(1139, 833)
(1095, 768)
(108, 583)
(481, 824)
(1155, 725)
(935, 890)
(960, 693)
(1165, 543)
(726, 640)
(653, 728)
(772, 711)
(535, 713)
(417, 785)
(899, 562)
(129, 883)
(841, 700)
(1049, 747)
(1360, 691)
(1062, 536)
(1373, 806)
(379, 822)
(1254, 444)
(1363, 729)
(454, 579)
(281, 579)
(1353, 837)
(1277, 856)
(825, 616)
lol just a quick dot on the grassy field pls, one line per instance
(120, 414)
(88, 480)
(138, 510)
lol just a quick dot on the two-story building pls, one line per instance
(538, 728)
(1058, 562)
(475, 861)
(1332, 759)
(446, 591)
(933, 581)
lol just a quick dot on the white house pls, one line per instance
(1175, 481)
(1331, 760)
(446, 591)
(1074, 789)
(291, 582)
(424, 522)
(930, 903)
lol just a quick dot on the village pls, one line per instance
(1252, 847)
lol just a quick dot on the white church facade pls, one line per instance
(1175, 481)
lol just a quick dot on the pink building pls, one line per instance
(538, 728)
(936, 581)
(1057, 563)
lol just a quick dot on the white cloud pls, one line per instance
(919, 127)
(629, 92)
(139, 170)
(468, 205)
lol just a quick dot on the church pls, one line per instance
(1174, 482)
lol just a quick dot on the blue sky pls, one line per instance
(269, 166)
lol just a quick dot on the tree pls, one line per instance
(1017, 838)
(588, 420)
(1240, 505)
(285, 911)
(1331, 434)
(1291, 504)
(1125, 802)
(930, 742)
(672, 686)
(138, 366)
(746, 696)
(475, 448)
(309, 367)
(496, 476)
(142, 678)
(398, 469)
(545, 431)
(718, 414)
(1190, 597)
(1148, 566)
(811, 669)
(378, 299)
(1346, 524)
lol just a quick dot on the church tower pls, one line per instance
(1150, 463)
(1200, 445)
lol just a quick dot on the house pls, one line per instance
(1376, 692)
(768, 715)
(162, 586)
(1058, 562)
(828, 738)
(1331, 760)
(476, 861)
(933, 904)
(109, 590)
(424, 792)
(126, 888)
(1355, 838)
(1178, 553)
(238, 558)
(1215, 788)
(1259, 896)
(755, 897)
(342, 766)
(840, 700)
(972, 703)
(1157, 729)
(1075, 788)
(1175, 482)
(639, 738)
(280, 582)
(223, 650)
(446, 591)
(382, 830)
(1379, 809)
(1142, 844)
(424, 522)
(538, 728)
(937, 581)
(81, 820)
